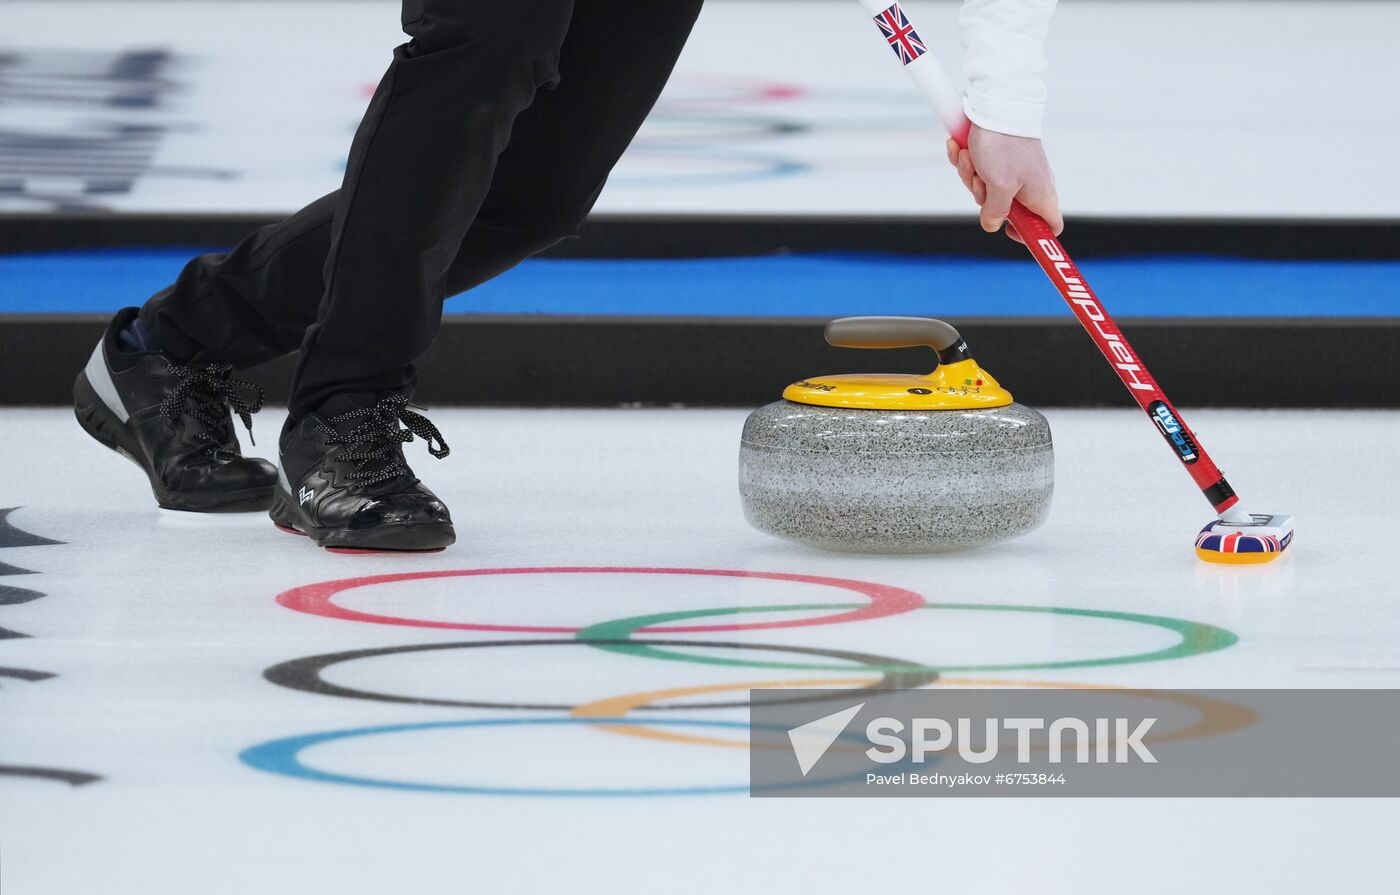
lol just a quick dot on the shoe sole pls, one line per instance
(432, 537)
(98, 421)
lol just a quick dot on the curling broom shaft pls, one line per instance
(933, 81)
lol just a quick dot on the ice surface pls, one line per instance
(1157, 109)
(159, 627)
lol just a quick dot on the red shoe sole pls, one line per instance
(352, 550)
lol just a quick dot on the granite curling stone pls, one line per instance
(897, 463)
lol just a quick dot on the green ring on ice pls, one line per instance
(1196, 638)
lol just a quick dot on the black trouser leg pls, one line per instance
(256, 302)
(420, 168)
(252, 304)
(618, 56)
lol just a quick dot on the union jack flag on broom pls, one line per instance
(902, 37)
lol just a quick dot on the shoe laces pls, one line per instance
(371, 443)
(207, 394)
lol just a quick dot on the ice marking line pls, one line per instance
(306, 674)
(284, 757)
(694, 129)
(885, 600)
(1196, 639)
(72, 778)
(688, 89)
(25, 674)
(1218, 716)
(764, 167)
(618, 706)
(13, 596)
(15, 537)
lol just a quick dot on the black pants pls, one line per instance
(488, 140)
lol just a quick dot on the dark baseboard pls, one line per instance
(608, 361)
(633, 236)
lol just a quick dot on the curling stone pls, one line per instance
(897, 463)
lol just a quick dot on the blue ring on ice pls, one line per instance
(284, 757)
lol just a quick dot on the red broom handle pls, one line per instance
(1050, 254)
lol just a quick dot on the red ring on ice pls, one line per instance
(317, 599)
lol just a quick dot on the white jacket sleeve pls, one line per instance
(1004, 60)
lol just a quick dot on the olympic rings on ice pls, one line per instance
(317, 599)
(307, 674)
(860, 673)
(1196, 639)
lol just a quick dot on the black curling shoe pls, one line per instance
(344, 482)
(176, 423)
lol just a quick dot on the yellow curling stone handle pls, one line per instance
(959, 382)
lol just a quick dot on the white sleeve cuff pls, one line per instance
(1004, 60)
(1005, 116)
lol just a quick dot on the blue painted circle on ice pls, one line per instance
(748, 167)
(284, 757)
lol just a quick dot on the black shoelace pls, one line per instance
(207, 394)
(371, 443)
